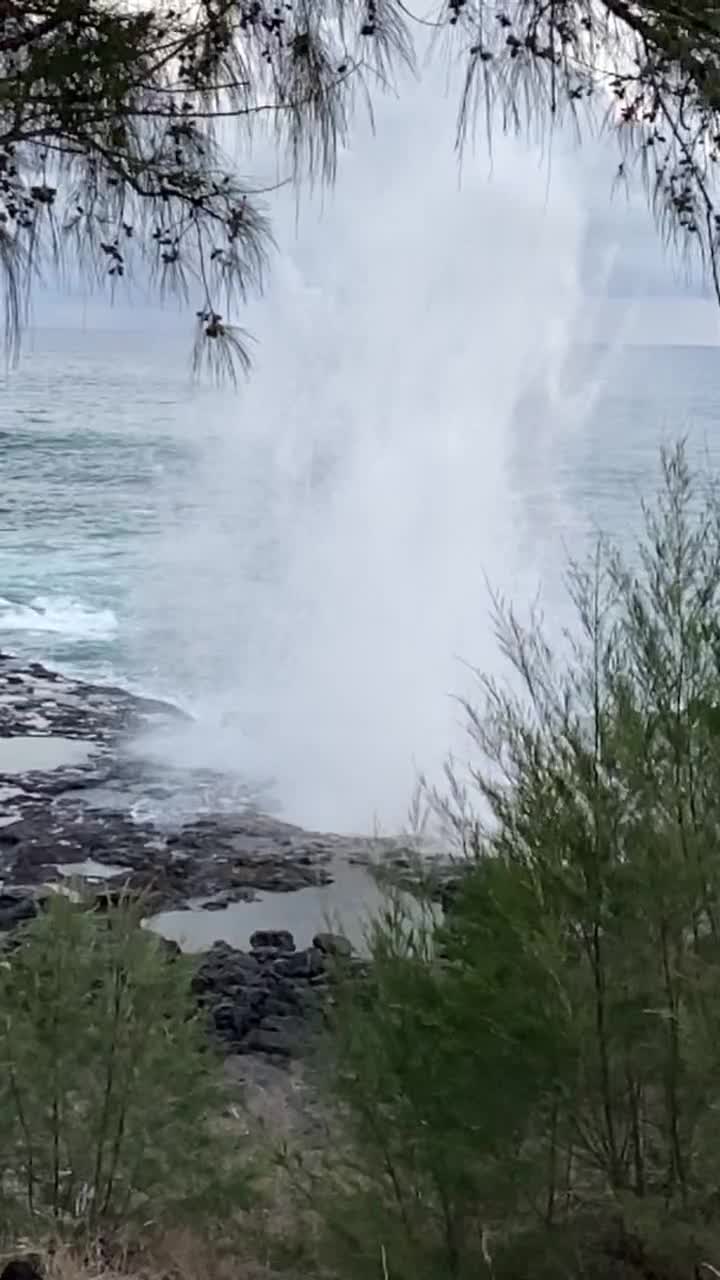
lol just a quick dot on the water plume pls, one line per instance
(324, 573)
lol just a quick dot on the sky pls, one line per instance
(635, 287)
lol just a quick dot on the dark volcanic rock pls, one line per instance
(304, 964)
(172, 949)
(38, 701)
(332, 944)
(15, 908)
(225, 971)
(232, 1021)
(49, 832)
(28, 1267)
(79, 821)
(53, 817)
(268, 940)
(262, 1002)
(277, 1040)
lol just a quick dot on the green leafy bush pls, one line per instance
(446, 1062)
(548, 1054)
(110, 1098)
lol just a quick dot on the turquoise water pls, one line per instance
(104, 438)
(96, 438)
(184, 541)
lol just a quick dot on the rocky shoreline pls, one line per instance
(267, 1000)
(62, 753)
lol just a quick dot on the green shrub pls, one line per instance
(446, 1062)
(551, 1049)
(110, 1098)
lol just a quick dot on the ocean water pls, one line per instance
(150, 532)
(99, 444)
(305, 565)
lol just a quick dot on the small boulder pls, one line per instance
(303, 964)
(232, 1021)
(16, 908)
(272, 940)
(274, 1006)
(332, 944)
(27, 1268)
(279, 1038)
(171, 948)
(224, 970)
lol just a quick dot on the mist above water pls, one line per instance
(322, 575)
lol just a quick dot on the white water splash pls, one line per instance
(329, 570)
(57, 615)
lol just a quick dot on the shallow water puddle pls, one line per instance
(90, 870)
(342, 907)
(25, 754)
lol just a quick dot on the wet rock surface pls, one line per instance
(35, 700)
(52, 817)
(52, 820)
(270, 999)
